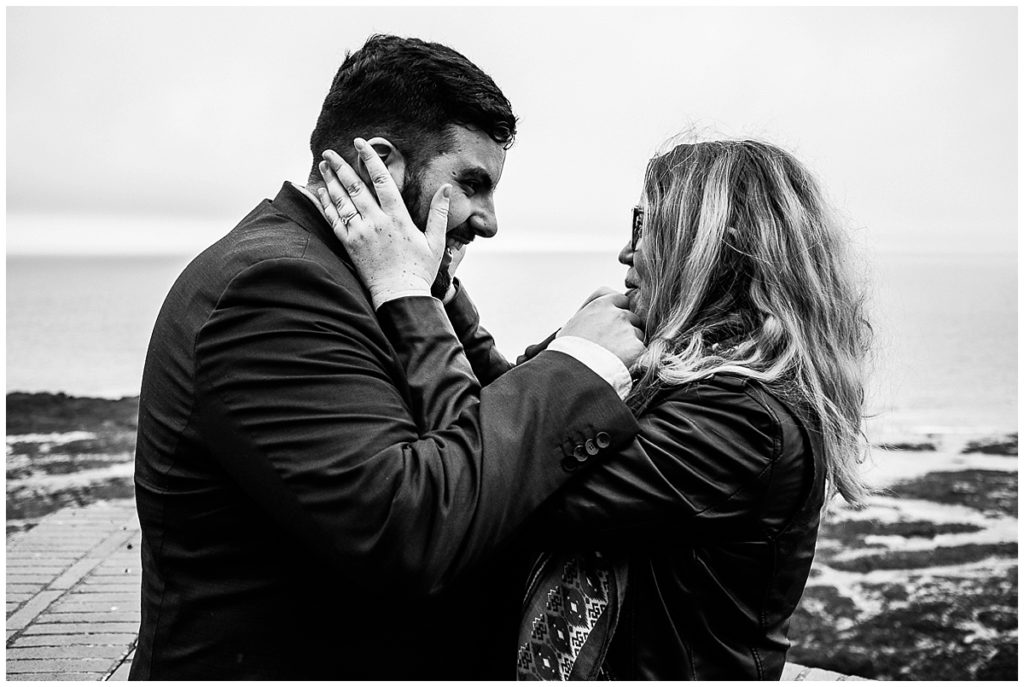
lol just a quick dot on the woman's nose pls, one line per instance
(626, 254)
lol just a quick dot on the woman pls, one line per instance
(685, 556)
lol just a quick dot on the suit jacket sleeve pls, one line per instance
(307, 408)
(704, 460)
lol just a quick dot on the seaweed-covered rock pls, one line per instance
(1006, 446)
(44, 413)
(908, 446)
(986, 490)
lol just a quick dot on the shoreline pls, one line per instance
(64, 449)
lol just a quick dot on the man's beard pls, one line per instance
(412, 194)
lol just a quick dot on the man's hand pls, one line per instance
(607, 321)
(390, 253)
(601, 291)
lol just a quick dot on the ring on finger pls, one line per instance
(349, 217)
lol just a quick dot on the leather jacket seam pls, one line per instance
(777, 444)
(757, 662)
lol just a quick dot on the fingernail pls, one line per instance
(359, 143)
(446, 192)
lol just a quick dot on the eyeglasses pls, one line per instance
(638, 225)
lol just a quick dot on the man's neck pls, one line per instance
(308, 191)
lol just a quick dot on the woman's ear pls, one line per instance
(392, 157)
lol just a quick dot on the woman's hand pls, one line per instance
(390, 253)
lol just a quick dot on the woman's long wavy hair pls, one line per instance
(748, 273)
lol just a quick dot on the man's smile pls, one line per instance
(456, 240)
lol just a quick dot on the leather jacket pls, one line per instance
(710, 516)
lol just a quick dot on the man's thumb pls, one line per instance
(437, 218)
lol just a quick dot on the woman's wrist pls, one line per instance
(398, 286)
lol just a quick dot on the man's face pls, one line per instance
(473, 166)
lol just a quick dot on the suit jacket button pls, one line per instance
(569, 465)
(580, 453)
(591, 447)
(603, 440)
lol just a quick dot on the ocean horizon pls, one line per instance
(945, 358)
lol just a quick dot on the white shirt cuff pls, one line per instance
(384, 295)
(603, 362)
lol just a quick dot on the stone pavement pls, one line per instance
(73, 597)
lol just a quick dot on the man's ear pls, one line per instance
(392, 157)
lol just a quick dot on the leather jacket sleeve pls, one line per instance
(488, 363)
(391, 461)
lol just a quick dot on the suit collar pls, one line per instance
(298, 207)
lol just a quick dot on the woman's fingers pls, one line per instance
(352, 185)
(339, 226)
(437, 219)
(338, 206)
(387, 190)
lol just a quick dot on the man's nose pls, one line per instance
(626, 254)
(483, 221)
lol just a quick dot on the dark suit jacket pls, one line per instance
(319, 502)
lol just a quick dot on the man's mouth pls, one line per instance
(456, 241)
(451, 246)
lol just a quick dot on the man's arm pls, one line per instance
(705, 459)
(305, 405)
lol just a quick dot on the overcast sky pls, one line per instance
(163, 126)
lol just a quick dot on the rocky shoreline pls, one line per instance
(66, 451)
(920, 584)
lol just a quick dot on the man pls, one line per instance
(312, 505)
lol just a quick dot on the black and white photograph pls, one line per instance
(496, 343)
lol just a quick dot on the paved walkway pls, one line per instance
(73, 597)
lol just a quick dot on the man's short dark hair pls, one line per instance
(408, 91)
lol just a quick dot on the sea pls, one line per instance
(945, 326)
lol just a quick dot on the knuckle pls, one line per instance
(354, 188)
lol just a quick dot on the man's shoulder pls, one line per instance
(267, 251)
(265, 234)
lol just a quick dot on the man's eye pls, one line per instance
(471, 186)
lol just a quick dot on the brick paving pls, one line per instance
(73, 597)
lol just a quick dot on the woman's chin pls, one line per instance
(636, 306)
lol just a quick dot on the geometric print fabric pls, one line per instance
(574, 602)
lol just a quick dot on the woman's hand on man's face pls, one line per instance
(389, 251)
